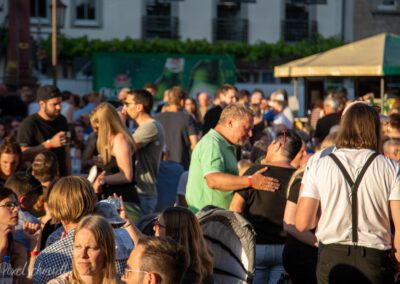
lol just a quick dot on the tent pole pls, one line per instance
(382, 81)
(296, 87)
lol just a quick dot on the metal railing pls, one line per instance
(308, 2)
(160, 26)
(230, 29)
(296, 30)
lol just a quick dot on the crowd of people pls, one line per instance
(77, 180)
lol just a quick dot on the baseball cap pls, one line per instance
(47, 92)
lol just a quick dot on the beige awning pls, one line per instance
(374, 56)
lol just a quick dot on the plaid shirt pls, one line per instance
(56, 259)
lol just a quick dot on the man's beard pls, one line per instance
(52, 115)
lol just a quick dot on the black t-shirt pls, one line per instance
(34, 130)
(178, 127)
(325, 124)
(12, 105)
(211, 118)
(265, 209)
(294, 190)
(294, 247)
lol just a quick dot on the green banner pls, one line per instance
(195, 73)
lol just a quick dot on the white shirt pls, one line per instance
(324, 181)
(280, 118)
(289, 114)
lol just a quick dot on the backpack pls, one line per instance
(231, 238)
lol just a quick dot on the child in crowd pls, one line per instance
(27, 189)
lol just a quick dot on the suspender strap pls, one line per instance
(354, 187)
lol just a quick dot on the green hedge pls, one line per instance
(82, 46)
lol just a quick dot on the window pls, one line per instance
(86, 13)
(387, 4)
(159, 20)
(40, 12)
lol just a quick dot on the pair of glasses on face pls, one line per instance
(158, 224)
(127, 104)
(10, 205)
(127, 270)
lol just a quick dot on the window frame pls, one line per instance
(97, 23)
(387, 7)
(42, 21)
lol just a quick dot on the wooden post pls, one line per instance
(296, 87)
(382, 81)
(54, 40)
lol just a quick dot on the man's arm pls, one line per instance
(395, 210)
(58, 140)
(289, 225)
(29, 153)
(193, 141)
(229, 182)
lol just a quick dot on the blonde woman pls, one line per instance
(94, 253)
(115, 147)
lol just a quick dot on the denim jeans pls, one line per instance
(148, 204)
(269, 265)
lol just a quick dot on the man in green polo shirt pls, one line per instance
(213, 173)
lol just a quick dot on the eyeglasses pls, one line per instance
(10, 205)
(127, 270)
(157, 223)
(128, 103)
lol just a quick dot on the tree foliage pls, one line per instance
(83, 46)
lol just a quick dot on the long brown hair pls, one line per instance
(182, 225)
(106, 118)
(360, 128)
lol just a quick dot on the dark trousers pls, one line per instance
(300, 262)
(353, 264)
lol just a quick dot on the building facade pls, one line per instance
(248, 21)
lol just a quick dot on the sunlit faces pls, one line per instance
(256, 98)
(8, 164)
(159, 227)
(204, 99)
(228, 97)
(52, 107)
(79, 133)
(29, 201)
(88, 258)
(190, 107)
(393, 152)
(131, 108)
(241, 130)
(9, 211)
(134, 275)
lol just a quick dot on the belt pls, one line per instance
(349, 249)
